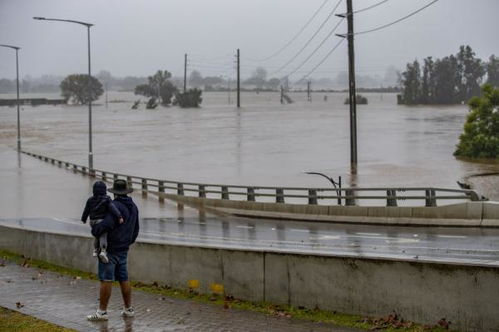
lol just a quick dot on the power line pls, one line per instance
(324, 59)
(316, 49)
(297, 35)
(370, 7)
(397, 21)
(310, 40)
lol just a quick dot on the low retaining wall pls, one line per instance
(469, 214)
(468, 296)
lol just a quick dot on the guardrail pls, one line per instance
(294, 195)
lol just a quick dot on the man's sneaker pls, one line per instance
(98, 316)
(129, 312)
(103, 257)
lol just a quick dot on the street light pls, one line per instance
(336, 185)
(88, 25)
(17, 84)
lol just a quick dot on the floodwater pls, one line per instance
(263, 143)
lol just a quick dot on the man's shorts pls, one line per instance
(116, 269)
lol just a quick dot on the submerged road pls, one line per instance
(468, 246)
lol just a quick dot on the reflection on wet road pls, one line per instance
(453, 245)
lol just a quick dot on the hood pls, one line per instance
(125, 200)
(99, 188)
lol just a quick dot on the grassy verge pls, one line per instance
(389, 323)
(13, 321)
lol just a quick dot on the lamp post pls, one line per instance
(88, 25)
(336, 185)
(17, 86)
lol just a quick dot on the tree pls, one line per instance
(481, 130)
(81, 89)
(195, 79)
(428, 83)
(493, 71)
(471, 71)
(258, 78)
(158, 87)
(446, 81)
(188, 99)
(411, 83)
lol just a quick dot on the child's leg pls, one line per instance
(96, 243)
(103, 241)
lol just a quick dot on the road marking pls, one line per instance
(245, 227)
(402, 241)
(325, 237)
(299, 230)
(368, 234)
(452, 236)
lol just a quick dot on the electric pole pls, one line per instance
(309, 93)
(238, 79)
(185, 72)
(352, 90)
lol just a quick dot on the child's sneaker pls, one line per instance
(98, 316)
(128, 312)
(95, 253)
(103, 257)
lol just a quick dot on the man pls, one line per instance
(119, 239)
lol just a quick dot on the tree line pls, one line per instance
(453, 79)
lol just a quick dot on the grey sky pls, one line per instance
(133, 37)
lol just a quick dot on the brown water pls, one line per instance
(263, 143)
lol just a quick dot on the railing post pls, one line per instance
(180, 189)
(430, 198)
(225, 192)
(115, 177)
(59, 163)
(161, 189)
(144, 187)
(103, 176)
(312, 196)
(251, 194)
(392, 197)
(52, 161)
(279, 195)
(202, 191)
(91, 172)
(67, 165)
(83, 169)
(350, 198)
(129, 182)
(75, 168)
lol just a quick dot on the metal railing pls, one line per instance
(293, 195)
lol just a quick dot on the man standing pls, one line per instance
(119, 239)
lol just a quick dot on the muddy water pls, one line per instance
(263, 143)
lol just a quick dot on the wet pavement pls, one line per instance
(66, 301)
(470, 246)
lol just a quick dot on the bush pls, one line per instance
(360, 100)
(190, 98)
(81, 90)
(481, 130)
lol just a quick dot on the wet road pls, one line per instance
(452, 245)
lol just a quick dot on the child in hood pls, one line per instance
(97, 207)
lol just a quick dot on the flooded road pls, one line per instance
(263, 143)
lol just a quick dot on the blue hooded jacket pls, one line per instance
(120, 236)
(99, 204)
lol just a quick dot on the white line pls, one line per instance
(452, 236)
(369, 234)
(245, 227)
(299, 230)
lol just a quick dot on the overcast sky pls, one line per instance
(133, 37)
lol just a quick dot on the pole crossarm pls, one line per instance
(11, 46)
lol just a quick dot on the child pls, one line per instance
(97, 208)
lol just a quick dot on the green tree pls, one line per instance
(428, 82)
(446, 80)
(411, 83)
(481, 130)
(196, 79)
(158, 87)
(81, 89)
(493, 71)
(471, 71)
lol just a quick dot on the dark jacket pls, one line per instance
(99, 204)
(120, 236)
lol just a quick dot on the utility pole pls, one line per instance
(309, 93)
(228, 88)
(282, 94)
(185, 72)
(351, 89)
(238, 79)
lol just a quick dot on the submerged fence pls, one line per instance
(428, 196)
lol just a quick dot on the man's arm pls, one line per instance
(136, 228)
(86, 212)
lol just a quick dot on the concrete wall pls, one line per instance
(469, 214)
(468, 296)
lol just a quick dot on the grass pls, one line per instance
(13, 321)
(388, 323)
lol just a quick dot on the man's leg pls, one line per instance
(126, 293)
(106, 287)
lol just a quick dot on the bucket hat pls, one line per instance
(120, 187)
